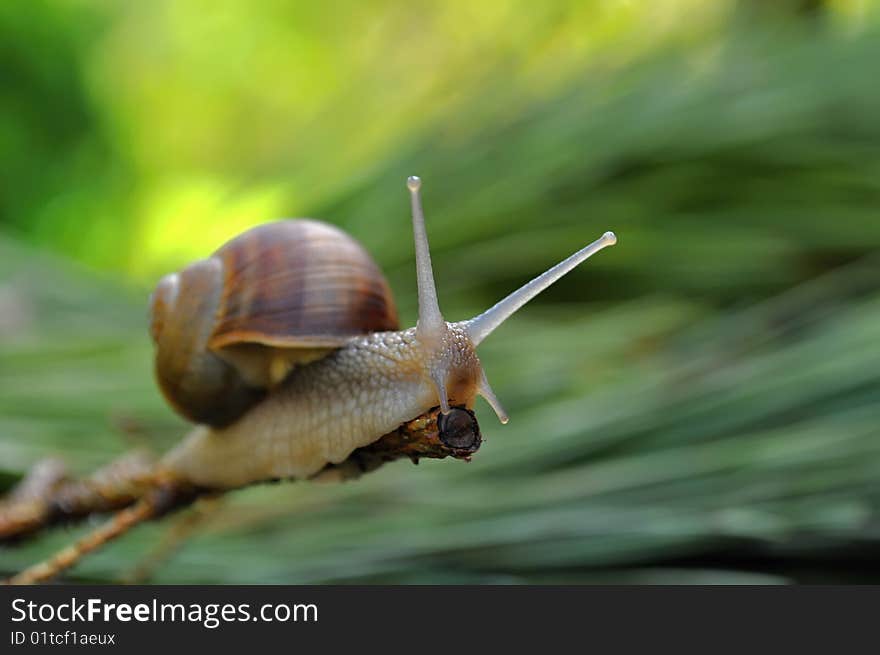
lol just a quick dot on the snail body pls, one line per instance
(376, 384)
(284, 385)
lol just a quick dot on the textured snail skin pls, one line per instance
(329, 408)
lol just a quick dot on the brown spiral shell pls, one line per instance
(230, 327)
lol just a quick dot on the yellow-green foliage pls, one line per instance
(697, 404)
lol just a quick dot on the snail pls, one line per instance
(284, 348)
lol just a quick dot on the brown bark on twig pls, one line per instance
(146, 508)
(48, 495)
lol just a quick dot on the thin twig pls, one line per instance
(181, 529)
(121, 523)
(48, 495)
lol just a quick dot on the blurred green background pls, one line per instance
(698, 404)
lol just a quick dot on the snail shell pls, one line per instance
(230, 327)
